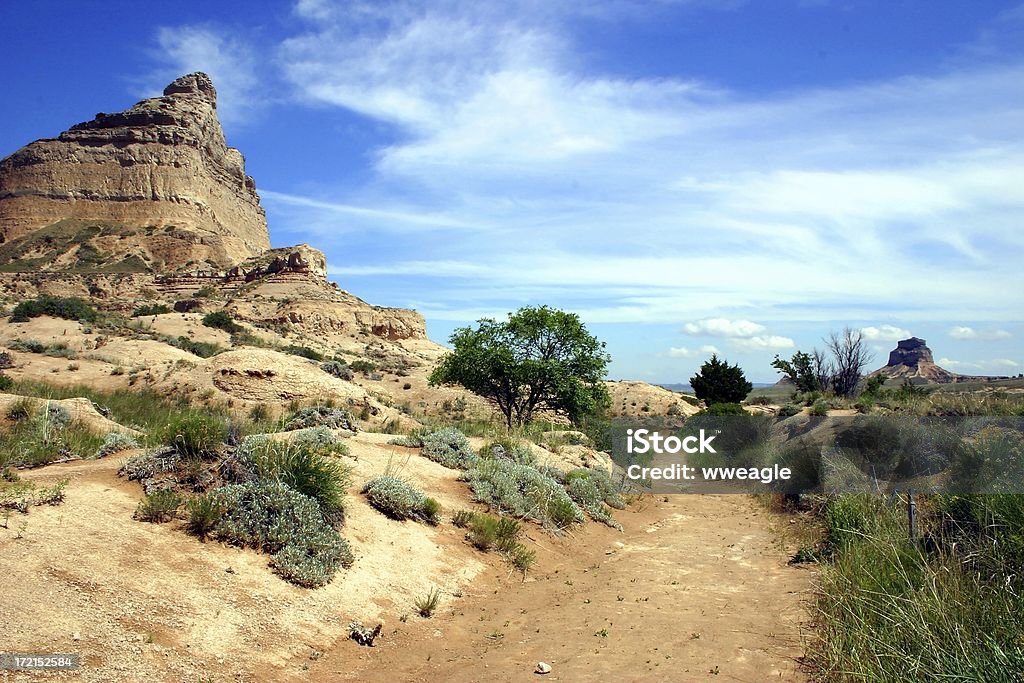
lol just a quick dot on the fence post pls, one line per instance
(911, 514)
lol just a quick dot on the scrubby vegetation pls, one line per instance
(339, 369)
(222, 320)
(400, 500)
(150, 309)
(43, 435)
(486, 532)
(523, 491)
(304, 352)
(115, 442)
(70, 308)
(321, 416)
(448, 447)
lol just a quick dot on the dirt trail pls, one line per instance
(692, 586)
(696, 588)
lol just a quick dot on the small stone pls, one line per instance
(76, 636)
(543, 668)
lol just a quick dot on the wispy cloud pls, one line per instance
(683, 352)
(227, 58)
(884, 333)
(965, 332)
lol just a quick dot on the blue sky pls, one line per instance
(689, 176)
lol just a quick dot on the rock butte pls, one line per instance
(151, 204)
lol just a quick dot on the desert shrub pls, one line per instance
(150, 309)
(306, 470)
(363, 366)
(430, 511)
(5, 382)
(338, 369)
(789, 410)
(115, 442)
(274, 518)
(57, 416)
(819, 408)
(6, 362)
(204, 512)
(221, 320)
(27, 345)
(585, 493)
(408, 441)
(509, 449)
(448, 447)
(70, 308)
(321, 416)
(303, 352)
(426, 605)
(722, 409)
(398, 500)
(196, 348)
(159, 506)
(523, 491)
(321, 440)
(193, 434)
(719, 382)
(521, 558)
(22, 409)
(462, 518)
(483, 531)
(259, 412)
(148, 464)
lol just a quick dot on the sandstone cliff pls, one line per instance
(151, 188)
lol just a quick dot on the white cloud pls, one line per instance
(722, 327)
(683, 352)
(1004, 363)
(964, 332)
(764, 343)
(994, 365)
(228, 59)
(885, 333)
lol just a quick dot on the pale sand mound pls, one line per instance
(272, 376)
(82, 410)
(146, 601)
(631, 398)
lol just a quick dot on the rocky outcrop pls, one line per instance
(151, 188)
(912, 359)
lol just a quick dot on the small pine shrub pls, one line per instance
(6, 383)
(448, 447)
(483, 532)
(338, 369)
(159, 506)
(521, 558)
(115, 442)
(430, 511)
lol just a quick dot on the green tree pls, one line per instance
(539, 359)
(802, 371)
(719, 382)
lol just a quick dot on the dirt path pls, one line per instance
(696, 588)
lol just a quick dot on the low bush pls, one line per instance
(204, 512)
(276, 519)
(321, 416)
(426, 605)
(159, 506)
(399, 500)
(194, 434)
(306, 470)
(522, 491)
(221, 320)
(196, 348)
(321, 440)
(6, 383)
(115, 442)
(71, 308)
(150, 309)
(363, 366)
(303, 352)
(338, 369)
(448, 447)
(723, 409)
(819, 408)
(6, 362)
(789, 410)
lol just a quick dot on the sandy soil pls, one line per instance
(694, 585)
